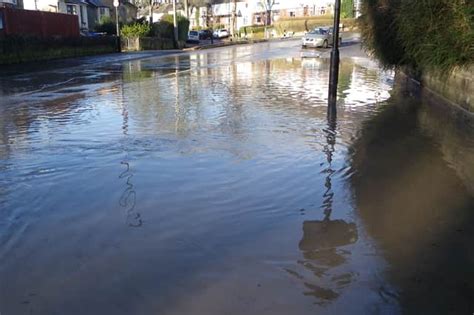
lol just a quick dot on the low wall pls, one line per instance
(457, 88)
(148, 43)
(18, 49)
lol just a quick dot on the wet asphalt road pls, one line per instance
(211, 182)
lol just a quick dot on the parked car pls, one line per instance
(91, 34)
(319, 37)
(205, 34)
(221, 33)
(193, 36)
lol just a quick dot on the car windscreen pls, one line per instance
(319, 32)
(194, 33)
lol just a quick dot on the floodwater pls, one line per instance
(213, 183)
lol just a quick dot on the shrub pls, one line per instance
(422, 35)
(347, 9)
(253, 29)
(136, 30)
(308, 23)
(163, 29)
(183, 25)
(106, 25)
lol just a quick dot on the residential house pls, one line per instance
(254, 12)
(17, 4)
(97, 11)
(127, 10)
(89, 12)
(76, 7)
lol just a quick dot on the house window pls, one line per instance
(71, 9)
(1, 21)
(102, 11)
(259, 19)
(292, 14)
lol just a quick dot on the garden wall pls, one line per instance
(148, 43)
(17, 49)
(457, 88)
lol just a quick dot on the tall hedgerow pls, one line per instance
(423, 35)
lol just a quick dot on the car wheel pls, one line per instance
(325, 44)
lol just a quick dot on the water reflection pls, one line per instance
(218, 151)
(322, 239)
(416, 208)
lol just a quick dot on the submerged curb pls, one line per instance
(233, 43)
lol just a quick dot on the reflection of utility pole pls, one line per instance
(328, 149)
(334, 67)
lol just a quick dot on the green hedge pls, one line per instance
(167, 26)
(106, 25)
(17, 49)
(135, 30)
(302, 24)
(421, 35)
(253, 29)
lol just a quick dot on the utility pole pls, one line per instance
(186, 9)
(151, 12)
(234, 18)
(334, 67)
(117, 28)
(175, 23)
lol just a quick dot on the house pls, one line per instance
(254, 12)
(16, 4)
(127, 10)
(97, 11)
(75, 7)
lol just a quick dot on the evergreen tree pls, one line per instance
(347, 9)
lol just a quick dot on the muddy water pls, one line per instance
(212, 183)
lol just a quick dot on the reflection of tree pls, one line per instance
(414, 205)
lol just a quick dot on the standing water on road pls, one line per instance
(212, 183)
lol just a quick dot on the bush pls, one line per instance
(106, 25)
(347, 9)
(163, 29)
(136, 30)
(308, 23)
(253, 29)
(183, 26)
(218, 26)
(421, 35)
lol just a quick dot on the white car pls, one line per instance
(220, 33)
(193, 36)
(319, 37)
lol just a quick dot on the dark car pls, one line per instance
(205, 34)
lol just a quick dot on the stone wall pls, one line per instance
(457, 88)
(18, 49)
(148, 43)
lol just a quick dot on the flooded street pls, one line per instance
(212, 182)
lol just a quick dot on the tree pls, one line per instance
(347, 9)
(267, 5)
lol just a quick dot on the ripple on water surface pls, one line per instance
(210, 182)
